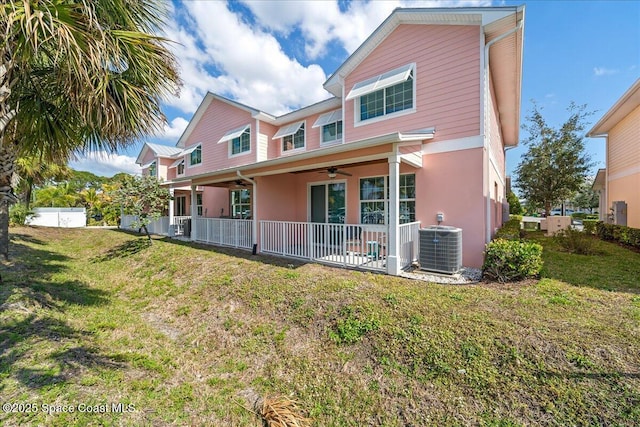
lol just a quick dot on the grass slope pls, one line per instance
(182, 332)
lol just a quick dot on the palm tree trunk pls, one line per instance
(7, 164)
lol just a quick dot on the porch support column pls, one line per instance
(393, 235)
(171, 206)
(194, 211)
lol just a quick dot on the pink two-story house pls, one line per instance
(413, 135)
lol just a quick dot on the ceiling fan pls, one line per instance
(333, 172)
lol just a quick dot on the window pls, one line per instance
(383, 95)
(153, 169)
(332, 132)
(181, 205)
(180, 168)
(374, 199)
(240, 203)
(195, 157)
(331, 124)
(199, 204)
(242, 143)
(294, 141)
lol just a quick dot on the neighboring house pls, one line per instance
(417, 125)
(619, 183)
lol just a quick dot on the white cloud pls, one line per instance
(174, 129)
(102, 163)
(602, 71)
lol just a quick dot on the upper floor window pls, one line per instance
(293, 136)
(195, 156)
(153, 169)
(331, 124)
(180, 168)
(384, 95)
(239, 140)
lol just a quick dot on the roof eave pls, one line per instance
(629, 101)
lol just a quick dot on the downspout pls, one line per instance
(486, 96)
(254, 197)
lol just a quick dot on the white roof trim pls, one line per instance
(327, 118)
(382, 81)
(232, 134)
(176, 163)
(288, 130)
(146, 165)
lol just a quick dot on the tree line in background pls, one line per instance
(41, 184)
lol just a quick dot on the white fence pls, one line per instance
(159, 226)
(409, 243)
(237, 233)
(350, 245)
(58, 217)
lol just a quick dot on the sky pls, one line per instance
(275, 56)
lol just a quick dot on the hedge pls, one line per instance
(618, 233)
(510, 260)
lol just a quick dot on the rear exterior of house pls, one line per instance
(412, 136)
(619, 183)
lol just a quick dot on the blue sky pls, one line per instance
(275, 56)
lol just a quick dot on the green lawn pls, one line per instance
(182, 332)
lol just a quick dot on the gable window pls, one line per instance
(331, 126)
(384, 95)
(240, 203)
(293, 136)
(374, 199)
(239, 140)
(153, 169)
(195, 155)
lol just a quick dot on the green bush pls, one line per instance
(579, 215)
(618, 233)
(18, 214)
(590, 225)
(576, 242)
(511, 229)
(511, 260)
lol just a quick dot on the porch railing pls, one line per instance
(350, 245)
(236, 233)
(159, 226)
(409, 243)
(179, 226)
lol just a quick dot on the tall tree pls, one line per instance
(556, 163)
(33, 172)
(76, 76)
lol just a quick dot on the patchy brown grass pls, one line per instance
(182, 331)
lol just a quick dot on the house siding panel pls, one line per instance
(218, 119)
(624, 144)
(447, 81)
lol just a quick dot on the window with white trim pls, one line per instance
(242, 143)
(331, 126)
(199, 204)
(153, 169)
(195, 157)
(374, 199)
(240, 201)
(384, 95)
(181, 205)
(294, 141)
(180, 168)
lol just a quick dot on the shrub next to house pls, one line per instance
(511, 260)
(619, 233)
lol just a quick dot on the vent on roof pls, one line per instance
(441, 249)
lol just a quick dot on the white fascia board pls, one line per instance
(382, 81)
(330, 117)
(232, 134)
(288, 130)
(148, 164)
